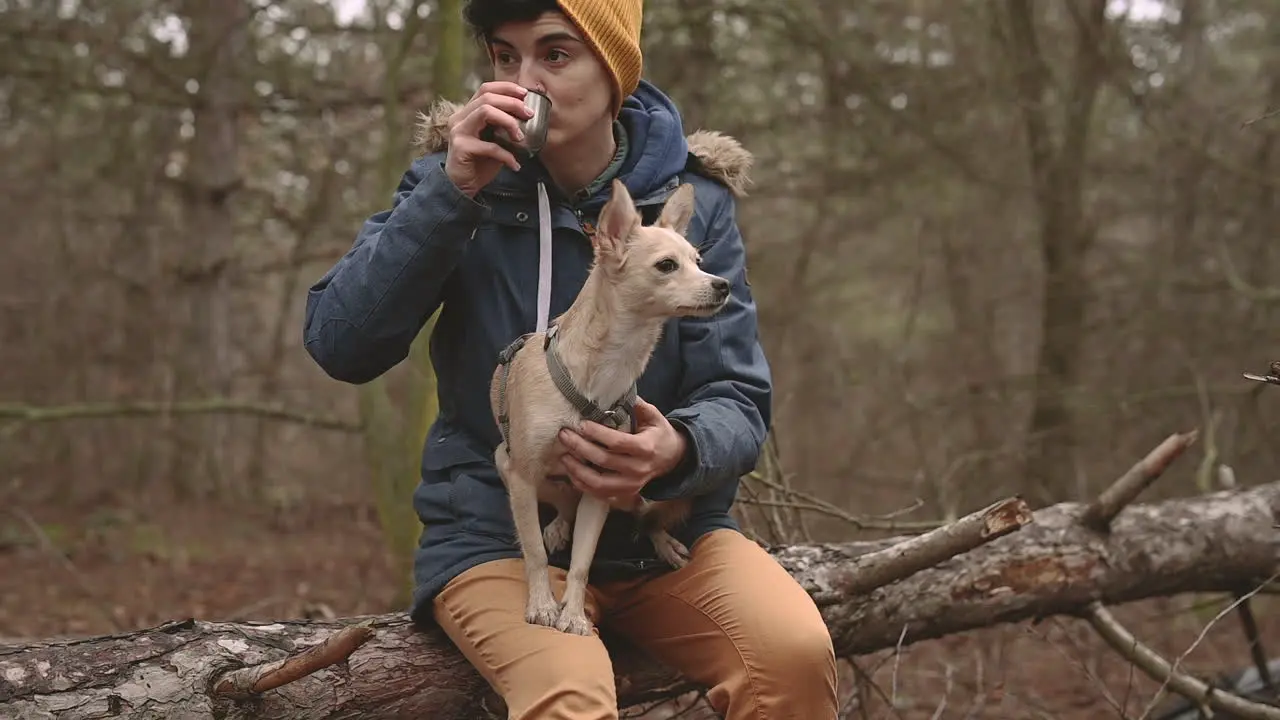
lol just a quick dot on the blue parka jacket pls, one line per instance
(477, 261)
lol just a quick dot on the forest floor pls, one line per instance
(88, 570)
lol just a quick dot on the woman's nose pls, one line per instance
(530, 78)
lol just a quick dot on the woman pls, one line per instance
(462, 235)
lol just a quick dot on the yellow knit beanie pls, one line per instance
(612, 28)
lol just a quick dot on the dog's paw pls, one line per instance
(574, 623)
(557, 534)
(545, 614)
(671, 550)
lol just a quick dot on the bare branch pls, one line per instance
(1241, 286)
(52, 550)
(856, 521)
(1159, 669)
(1264, 116)
(20, 413)
(813, 503)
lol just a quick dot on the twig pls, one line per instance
(1080, 661)
(908, 557)
(35, 414)
(46, 543)
(1159, 669)
(1213, 419)
(897, 662)
(835, 512)
(1271, 378)
(1248, 623)
(1099, 515)
(946, 693)
(866, 681)
(749, 495)
(1264, 116)
(1239, 285)
(871, 522)
(1240, 599)
(771, 467)
(246, 682)
(1250, 626)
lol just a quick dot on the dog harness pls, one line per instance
(623, 410)
(620, 413)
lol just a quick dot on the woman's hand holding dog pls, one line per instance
(472, 162)
(628, 461)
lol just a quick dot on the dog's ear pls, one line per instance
(618, 219)
(678, 210)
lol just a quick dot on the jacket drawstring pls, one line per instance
(544, 258)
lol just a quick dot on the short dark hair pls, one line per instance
(484, 16)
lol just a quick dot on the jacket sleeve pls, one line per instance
(726, 387)
(363, 314)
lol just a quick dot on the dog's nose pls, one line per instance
(721, 286)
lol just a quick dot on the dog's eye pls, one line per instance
(666, 265)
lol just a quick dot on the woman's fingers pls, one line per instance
(473, 148)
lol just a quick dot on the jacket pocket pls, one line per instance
(480, 501)
(448, 447)
(460, 477)
(434, 502)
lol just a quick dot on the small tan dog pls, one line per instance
(585, 367)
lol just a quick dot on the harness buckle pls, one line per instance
(509, 352)
(615, 417)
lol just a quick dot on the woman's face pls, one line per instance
(550, 55)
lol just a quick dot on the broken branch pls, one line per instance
(246, 682)
(1125, 490)
(908, 557)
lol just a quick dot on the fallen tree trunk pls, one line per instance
(1018, 568)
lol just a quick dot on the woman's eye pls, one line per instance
(666, 265)
(557, 55)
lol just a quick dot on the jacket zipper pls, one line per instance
(587, 228)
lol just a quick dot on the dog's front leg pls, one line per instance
(540, 608)
(587, 526)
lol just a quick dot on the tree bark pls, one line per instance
(1054, 564)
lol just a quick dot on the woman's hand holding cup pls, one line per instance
(472, 161)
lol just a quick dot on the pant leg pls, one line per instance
(541, 673)
(736, 621)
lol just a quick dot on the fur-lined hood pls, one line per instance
(720, 157)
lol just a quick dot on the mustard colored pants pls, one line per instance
(732, 619)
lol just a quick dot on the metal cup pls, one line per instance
(534, 129)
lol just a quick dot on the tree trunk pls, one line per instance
(394, 436)
(219, 41)
(1058, 168)
(1046, 564)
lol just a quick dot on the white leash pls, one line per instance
(544, 258)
